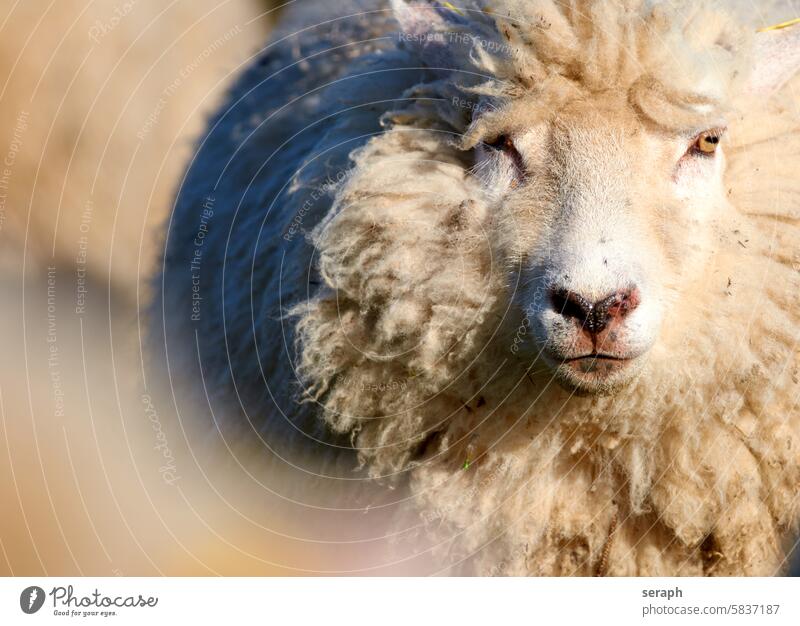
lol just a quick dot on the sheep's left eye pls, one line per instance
(706, 143)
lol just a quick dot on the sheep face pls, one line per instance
(607, 220)
(566, 171)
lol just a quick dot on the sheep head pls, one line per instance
(552, 194)
(598, 138)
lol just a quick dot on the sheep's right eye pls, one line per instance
(501, 142)
(505, 145)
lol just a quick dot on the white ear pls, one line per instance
(777, 59)
(428, 28)
(418, 19)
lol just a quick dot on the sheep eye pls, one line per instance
(706, 143)
(501, 142)
(504, 144)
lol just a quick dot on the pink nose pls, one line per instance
(595, 317)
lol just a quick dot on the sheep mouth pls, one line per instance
(591, 360)
(595, 373)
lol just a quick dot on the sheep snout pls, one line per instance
(599, 319)
(592, 344)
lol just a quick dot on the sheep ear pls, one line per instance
(777, 59)
(419, 20)
(427, 27)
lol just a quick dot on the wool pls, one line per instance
(409, 345)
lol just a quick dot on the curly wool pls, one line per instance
(698, 459)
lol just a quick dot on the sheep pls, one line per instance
(534, 260)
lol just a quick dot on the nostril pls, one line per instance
(571, 304)
(618, 305)
(595, 317)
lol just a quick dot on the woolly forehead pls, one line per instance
(677, 64)
(677, 75)
(599, 45)
(646, 107)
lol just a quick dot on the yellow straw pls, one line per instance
(452, 8)
(781, 25)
